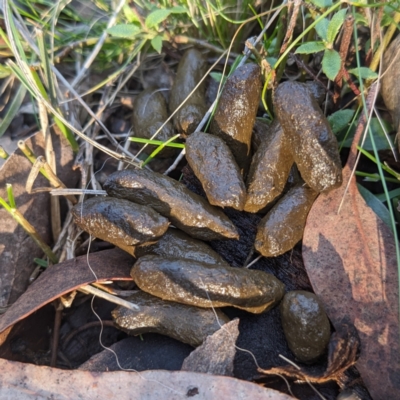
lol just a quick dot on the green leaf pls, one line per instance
(380, 138)
(178, 10)
(156, 43)
(129, 14)
(310, 47)
(124, 30)
(217, 76)
(377, 206)
(335, 24)
(393, 193)
(360, 19)
(157, 142)
(321, 3)
(340, 119)
(331, 63)
(363, 73)
(322, 28)
(41, 262)
(13, 109)
(156, 17)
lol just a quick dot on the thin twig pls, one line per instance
(106, 296)
(181, 39)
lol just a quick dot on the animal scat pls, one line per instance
(215, 167)
(283, 226)
(191, 70)
(313, 144)
(175, 243)
(269, 169)
(205, 285)
(187, 324)
(236, 112)
(187, 211)
(149, 114)
(305, 324)
(119, 222)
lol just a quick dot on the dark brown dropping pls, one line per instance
(236, 112)
(305, 324)
(261, 130)
(313, 144)
(283, 226)
(119, 222)
(215, 167)
(205, 285)
(175, 243)
(191, 70)
(269, 170)
(149, 114)
(186, 210)
(187, 324)
(317, 90)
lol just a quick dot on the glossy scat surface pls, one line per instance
(313, 144)
(215, 167)
(317, 90)
(191, 70)
(187, 211)
(119, 222)
(149, 114)
(175, 243)
(305, 325)
(283, 226)
(236, 112)
(187, 324)
(205, 285)
(269, 169)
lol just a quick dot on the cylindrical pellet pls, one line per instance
(191, 70)
(283, 226)
(269, 170)
(313, 144)
(205, 285)
(236, 112)
(187, 211)
(149, 114)
(215, 167)
(175, 243)
(119, 222)
(187, 324)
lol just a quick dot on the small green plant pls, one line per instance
(148, 28)
(327, 31)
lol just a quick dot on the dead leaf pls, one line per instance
(216, 354)
(29, 382)
(17, 249)
(65, 277)
(350, 259)
(390, 78)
